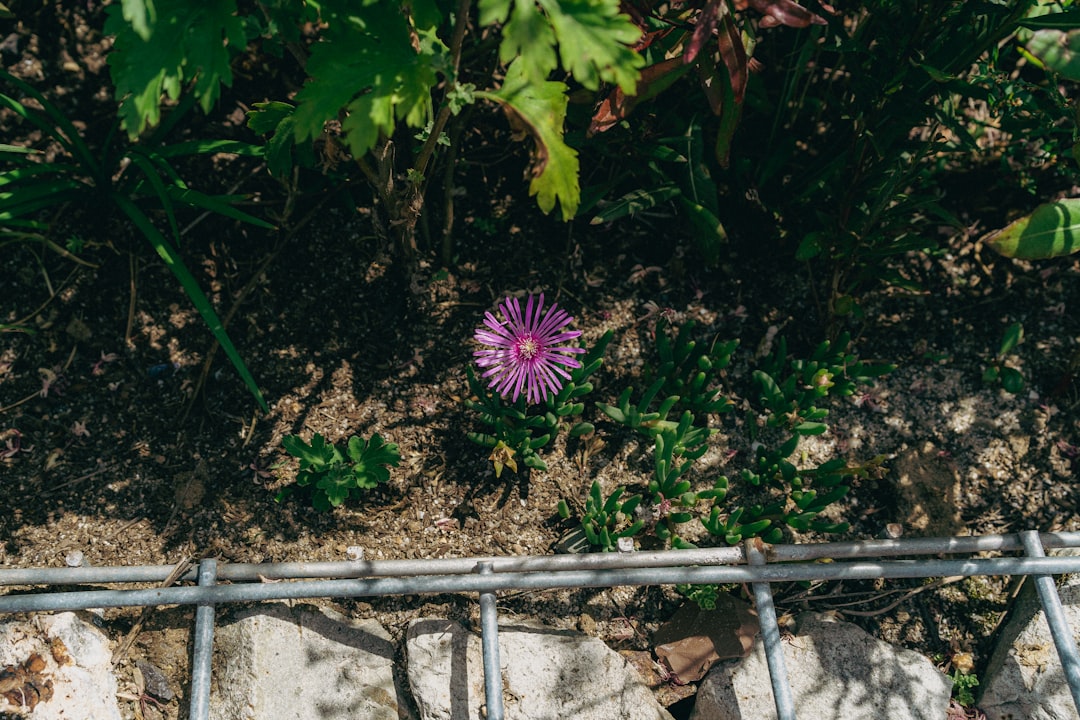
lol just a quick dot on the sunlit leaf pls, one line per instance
(1052, 230)
(1058, 51)
(367, 65)
(539, 110)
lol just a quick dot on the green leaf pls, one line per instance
(1014, 335)
(1012, 380)
(1052, 230)
(191, 287)
(810, 247)
(163, 46)
(316, 455)
(142, 15)
(540, 110)
(528, 39)
(1068, 20)
(594, 42)
(366, 64)
(1057, 50)
(634, 202)
(336, 484)
(708, 230)
(197, 199)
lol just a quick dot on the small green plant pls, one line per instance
(687, 378)
(704, 595)
(605, 520)
(791, 388)
(774, 492)
(963, 682)
(516, 429)
(1011, 379)
(334, 473)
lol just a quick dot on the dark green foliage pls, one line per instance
(332, 474)
(607, 520)
(525, 430)
(132, 179)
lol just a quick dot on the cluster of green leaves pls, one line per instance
(790, 388)
(774, 493)
(1011, 379)
(605, 520)
(382, 66)
(686, 378)
(674, 170)
(164, 46)
(332, 473)
(855, 158)
(131, 178)
(515, 429)
(962, 687)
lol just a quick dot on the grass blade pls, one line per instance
(215, 205)
(191, 287)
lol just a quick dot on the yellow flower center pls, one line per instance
(528, 348)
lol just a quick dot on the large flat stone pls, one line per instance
(547, 674)
(836, 670)
(1024, 678)
(276, 662)
(61, 665)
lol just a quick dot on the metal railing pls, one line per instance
(754, 562)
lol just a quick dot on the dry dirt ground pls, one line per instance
(122, 438)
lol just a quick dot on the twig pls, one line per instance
(87, 476)
(244, 292)
(121, 652)
(133, 266)
(461, 21)
(907, 596)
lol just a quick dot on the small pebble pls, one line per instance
(155, 682)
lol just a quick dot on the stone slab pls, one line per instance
(1024, 679)
(61, 665)
(836, 670)
(547, 674)
(280, 662)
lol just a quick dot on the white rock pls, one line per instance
(546, 673)
(837, 672)
(75, 663)
(273, 662)
(1024, 678)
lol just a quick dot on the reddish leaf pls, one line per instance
(733, 53)
(782, 12)
(618, 105)
(703, 29)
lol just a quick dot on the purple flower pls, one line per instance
(523, 350)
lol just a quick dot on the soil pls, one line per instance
(130, 441)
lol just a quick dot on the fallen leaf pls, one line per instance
(694, 639)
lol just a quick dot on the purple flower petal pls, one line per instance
(524, 351)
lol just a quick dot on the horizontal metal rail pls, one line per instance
(429, 584)
(254, 572)
(754, 563)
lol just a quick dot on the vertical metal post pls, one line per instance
(204, 646)
(1055, 617)
(770, 636)
(489, 640)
